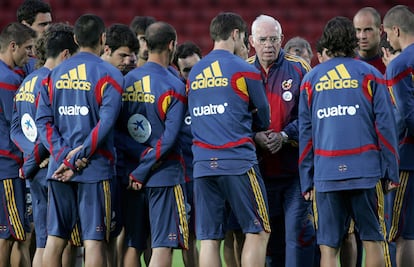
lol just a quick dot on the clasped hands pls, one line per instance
(64, 173)
(269, 141)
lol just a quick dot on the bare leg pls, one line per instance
(69, 255)
(20, 254)
(120, 248)
(238, 245)
(405, 252)
(348, 252)
(132, 257)
(190, 255)
(161, 257)
(328, 256)
(254, 249)
(228, 250)
(52, 256)
(5, 252)
(210, 253)
(95, 253)
(374, 254)
(37, 259)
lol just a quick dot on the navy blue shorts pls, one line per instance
(168, 217)
(14, 222)
(87, 204)
(245, 194)
(336, 209)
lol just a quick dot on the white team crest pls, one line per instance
(29, 127)
(139, 128)
(287, 96)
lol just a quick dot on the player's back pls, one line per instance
(220, 97)
(78, 88)
(349, 108)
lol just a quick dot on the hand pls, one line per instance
(274, 143)
(73, 152)
(63, 173)
(81, 164)
(387, 56)
(21, 176)
(308, 195)
(262, 138)
(44, 163)
(388, 186)
(134, 185)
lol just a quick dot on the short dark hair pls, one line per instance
(118, 35)
(224, 23)
(400, 16)
(16, 32)
(339, 37)
(88, 30)
(186, 49)
(139, 24)
(30, 8)
(159, 35)
(56, 38)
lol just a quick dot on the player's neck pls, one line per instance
(224, 45)
(162, 58)
(7, 59)
(92, 50)
(368, 53)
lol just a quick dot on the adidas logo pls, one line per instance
(140, 91)
(337, 78)
(75, 79)
(25, 92)
(210, 77)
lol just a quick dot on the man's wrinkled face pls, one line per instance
(267, 42)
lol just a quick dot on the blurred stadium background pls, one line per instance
(191, 18)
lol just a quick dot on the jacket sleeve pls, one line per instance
(48, 133)
(306, 155)
(402, 86)
(174, 115)
(17, 135)
(258, 100)
(386, 129)
(110, 100)
(31, 164)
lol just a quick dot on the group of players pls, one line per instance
(133, 144)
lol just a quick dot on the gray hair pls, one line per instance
(266, 19)
(299, 43)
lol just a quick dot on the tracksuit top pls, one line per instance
(225, 97)
(347, 130)
(375, 61)
(282, 83)
(400, 78)
(11, 157)
(80, 107)
(154, 105)
(24, 131)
